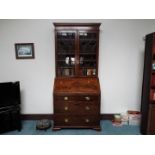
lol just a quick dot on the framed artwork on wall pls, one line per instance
(24, 50)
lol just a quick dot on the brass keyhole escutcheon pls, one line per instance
(87, 98)
(87, 120)
(65, 98)
(66, 108)
(66, 120)
(87, 108)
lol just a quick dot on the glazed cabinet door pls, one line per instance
(65, 53)
(88, 53)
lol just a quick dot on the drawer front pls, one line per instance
(75, 121)
(61, 107)
(76, 98)
(76, 107)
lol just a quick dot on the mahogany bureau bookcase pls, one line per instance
(76, 92)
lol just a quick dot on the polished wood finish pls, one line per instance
(76, 93)
(148, 88)
(74, 85)
(76, 49)
(151, 119)
(77, 26)
(76, 103)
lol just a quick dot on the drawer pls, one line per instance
(76, 107)
(88, 98)
(76, 98)
(64, 98)
(78, 120)
(70, 107)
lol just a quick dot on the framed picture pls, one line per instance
(24, 50)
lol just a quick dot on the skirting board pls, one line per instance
(50, 116)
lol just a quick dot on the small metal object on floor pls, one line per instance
(43, 124)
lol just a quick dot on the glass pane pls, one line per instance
(88, 42)
(65, 53)
(88, 48)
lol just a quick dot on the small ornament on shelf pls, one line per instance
(89, 72)
(72, 61)
(67, 60)
(153, 66)
(66, 72)
(152, 95)
(94, 71)
(81, 60)
(153, 81)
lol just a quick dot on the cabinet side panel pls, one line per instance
(146, 83)
(151, 120)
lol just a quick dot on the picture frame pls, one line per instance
(24, 50)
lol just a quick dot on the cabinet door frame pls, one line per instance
(96, 51)
(77, 50)
(56, 49)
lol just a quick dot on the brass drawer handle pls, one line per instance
(87, 120)
(66, 120)
(87, 108)
(87, 98)
(65, 108)
(65, 98)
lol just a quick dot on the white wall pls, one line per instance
(120, 62)
(36, 76)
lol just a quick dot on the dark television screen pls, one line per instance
(9, 94)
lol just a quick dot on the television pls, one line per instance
(9, 94)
